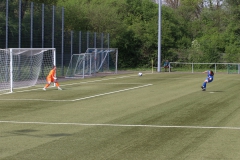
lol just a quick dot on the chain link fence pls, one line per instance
(25, 24)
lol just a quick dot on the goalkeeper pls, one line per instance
(51, 78)
(210, 75)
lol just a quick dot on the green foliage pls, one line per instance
(94, 16)
(128, 46)
(232, 53)
(133, 28)
(214, 30)
(52, 2)
(142, 20)
(174, 34)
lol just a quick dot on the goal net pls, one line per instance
(24, 67)
(94, 61)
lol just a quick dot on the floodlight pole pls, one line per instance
(159, 35)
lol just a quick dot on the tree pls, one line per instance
(172, 3)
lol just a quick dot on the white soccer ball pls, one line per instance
(140, 74)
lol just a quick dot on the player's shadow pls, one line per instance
(214, 91)
(25, 131)
(59, 135)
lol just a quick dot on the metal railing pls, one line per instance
(230, 68)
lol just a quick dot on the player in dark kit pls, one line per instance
(210, 75)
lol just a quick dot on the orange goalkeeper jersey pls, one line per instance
(52, 74)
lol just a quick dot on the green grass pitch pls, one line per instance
(124, 117)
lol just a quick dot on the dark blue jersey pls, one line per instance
(210, 77)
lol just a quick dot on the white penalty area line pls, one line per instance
(121, 125)
(112, 92)
(76, 84)
(79, 99)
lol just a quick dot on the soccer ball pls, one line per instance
(140, 74)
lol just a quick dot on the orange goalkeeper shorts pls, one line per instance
(49, 79)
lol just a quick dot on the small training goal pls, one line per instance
(24, 67)
(94, 61)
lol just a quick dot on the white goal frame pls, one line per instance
(24, 67)
(95, 60)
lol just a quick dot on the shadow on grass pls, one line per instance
(59, 135)
(214, 91)
(25, 131)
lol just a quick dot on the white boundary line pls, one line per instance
(79, 99)
(121, 125)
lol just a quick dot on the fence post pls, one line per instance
(116, 62)
(87, 39)
(80, 42)
(215, 68)
(62, 41)
(31, 32)
(19, 22)
(6, 24)
(108, 40)
(101, 40)
(71, 43)
(238, 68)
(43, 25)
(108, 49)
(53, 17)
(95, 40)
(192, 67)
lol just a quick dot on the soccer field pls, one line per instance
(124, 117)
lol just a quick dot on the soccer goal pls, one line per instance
(24, 67)
(94, 61)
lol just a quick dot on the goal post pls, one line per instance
(4, 71)
(24, 67)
